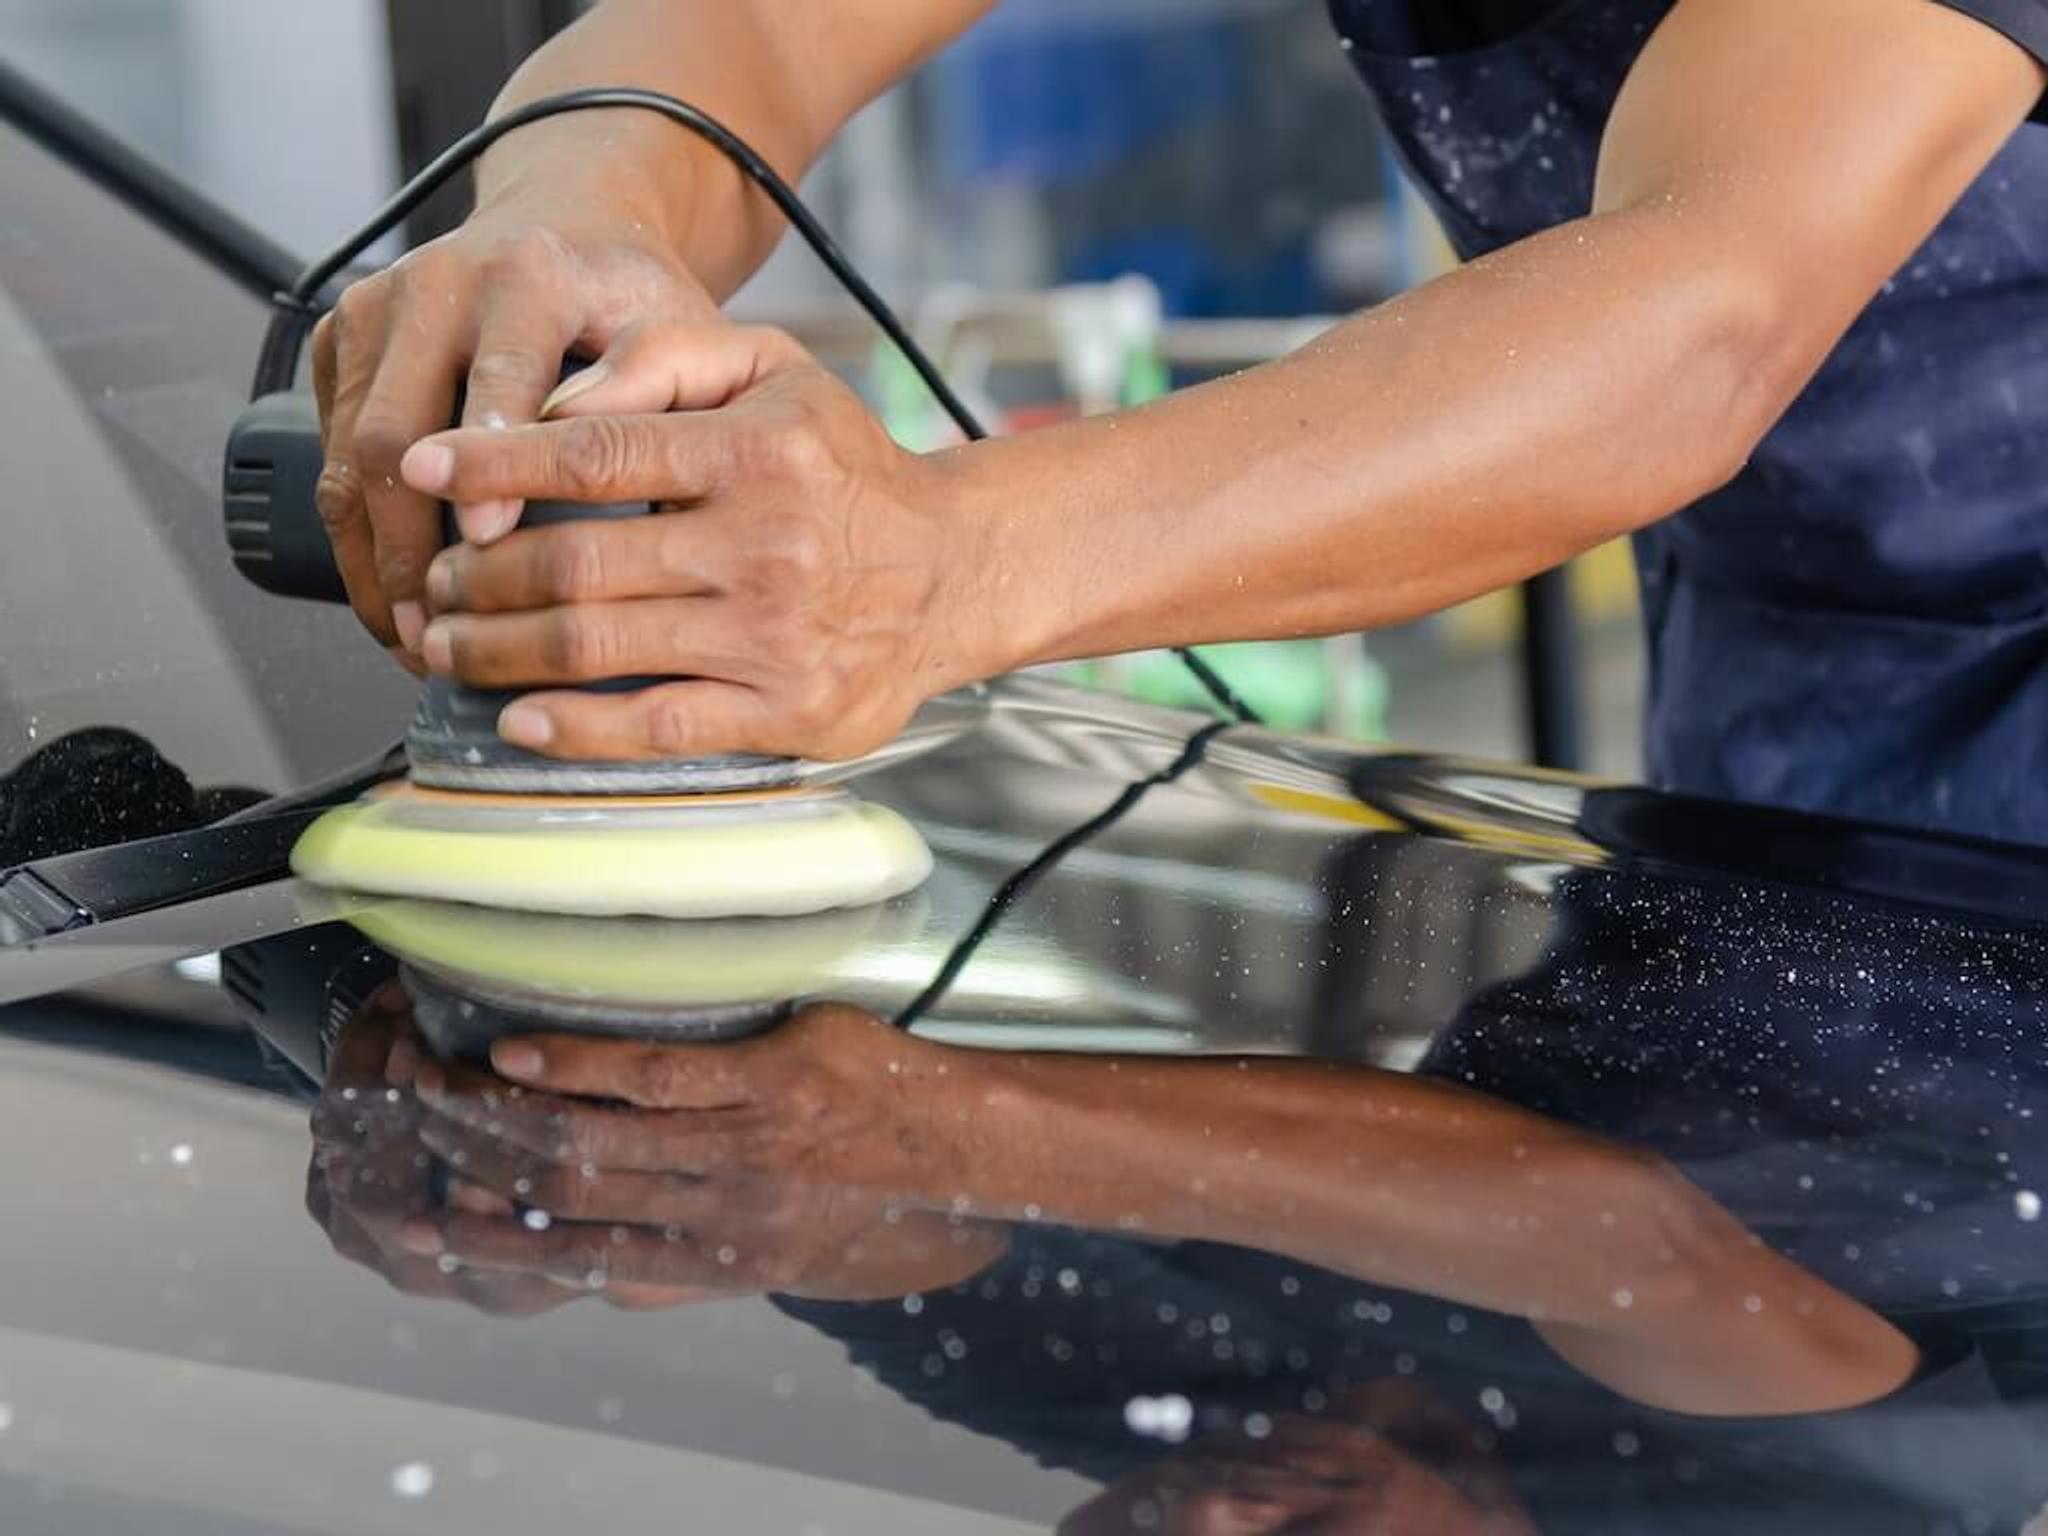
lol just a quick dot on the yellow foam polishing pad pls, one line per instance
(635, 961)
(767, 854)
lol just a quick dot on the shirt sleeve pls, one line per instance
(2024, 21)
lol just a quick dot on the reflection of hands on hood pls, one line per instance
(371, 1173)
(1626, 1269)
(838, 1158)
(643, 1170)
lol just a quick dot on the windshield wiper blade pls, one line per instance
(54, 895)
(74, 890)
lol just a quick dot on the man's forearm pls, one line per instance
(1569, 388)
(1481, 429)
(784, 74)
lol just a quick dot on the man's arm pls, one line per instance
(1767, 168)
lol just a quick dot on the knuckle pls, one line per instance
(381, 441)
(654, 1078)
(530, 256)
(576, 644)
(362, 299)
(812, 707)
(399, 566)
(594, 454)
(336, 497)
(325, 336)
(796, 449)
(405, 277)
(668, 726)
(572, 564)
(507, 368)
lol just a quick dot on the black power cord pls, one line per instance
(301, 304)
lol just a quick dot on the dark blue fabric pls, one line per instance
(1858, 623)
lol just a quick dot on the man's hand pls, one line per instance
(499, 303)
(584, 222)
(800, 572)
(772, 1164)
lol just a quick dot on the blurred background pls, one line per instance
(1082, 205)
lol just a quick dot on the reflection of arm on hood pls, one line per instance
(1410, 1182)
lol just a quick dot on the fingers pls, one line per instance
(517, 361)
(657, 556)
(563, 1132)
(671, 720)
(412, 394)
(595, 459)
(587, 642)
(655, 368)
(651, 1076)
(593, 1256)
(500, 1172)
(342, 369)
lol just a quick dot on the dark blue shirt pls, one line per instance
(1857, 623)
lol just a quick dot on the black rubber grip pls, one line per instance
(273, 525)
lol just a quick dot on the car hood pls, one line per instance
(1835, 1031)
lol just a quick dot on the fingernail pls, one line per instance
(428, 466)
(515, 1058)
(478, 1201)
(430, 1081)
(524, 724)
(437, 647)
(487, 521)
(420, 1237)
(576, 384)
(410, 619)
(441, 581)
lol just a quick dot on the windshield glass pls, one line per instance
(124, 360)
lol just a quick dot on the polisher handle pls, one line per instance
(274, 534)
